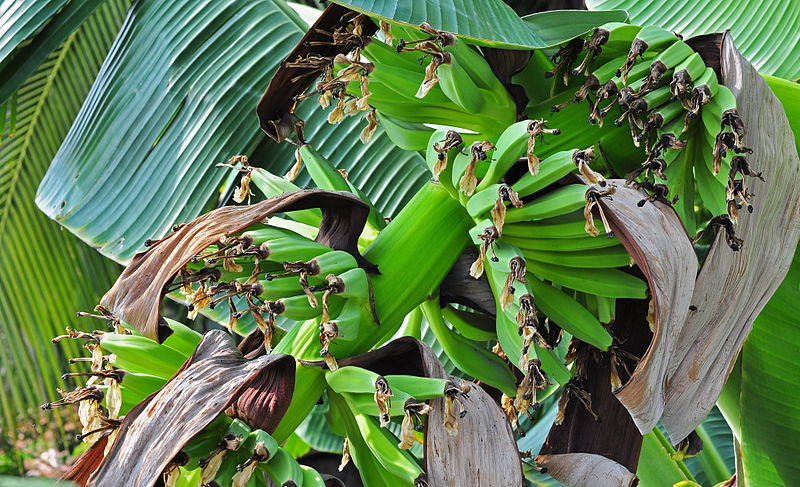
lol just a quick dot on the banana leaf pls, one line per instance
(46, 275)
(31, 31)
(487, 23)
(141, 155)
(767, 32)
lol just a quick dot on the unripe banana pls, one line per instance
(607, 258)
(459, 87)
(578, 243)
(466, 354)
(406, 135)
(272, 185)
(282, 468)
(474, 326)
(140, 354)
(611, 283)
(311, 478)
(140, 385)
(325, 176)
(286, 245)
(384, 448)
(557, 202)
(675, 54)
(693, 65)
(567, 226)
(183, 339)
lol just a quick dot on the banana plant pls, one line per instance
(543, 254)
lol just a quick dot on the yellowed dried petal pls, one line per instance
(372, 125)
(476, 269)
(407, 437)
(211, 467)
(230, 265)
(499, 214)
(450, 420)
(587, 213)
(386, 29)
(243, 191)
(651, 314)
(330, 361)
(468, 181)
(429, 81)
(533, 164)
(199, 300)
(97, 357)
(337, 114)
(345, 454)
(110, 441)
(325, 99)
(505, 295)
(507, 404)
(351, 106)
(172, 476)
(440, 165)
(289, 176)
(241, 478)
(562, 407)
(113, 398)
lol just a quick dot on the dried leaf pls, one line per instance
(136, 296)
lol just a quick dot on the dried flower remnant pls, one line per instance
(328, 331)
(431, 46)
(369, 130)
(172, 472)
(211, 463)
(345, 454)
(638, 47)
(657, 70)
(244, 472)
(451, 141)
(527, 311)
(737, 191)
(724, 222)
(594, 46)
(565, 57)
(739, 165)
(451, 393)
(507, 405)
(574, 389)
(593, 196)
(701, 95)
(504, 193)
(591, 84)
(383, 398)
(681, 87)
(526, 391)
(469, 181)
(581, 159)
(489, 236)
(517, 268)
(608, 90)
(651, 164)
(386, 30)
(536, 128)
(655, 192)
(412, 421)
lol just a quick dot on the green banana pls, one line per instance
(474, 326)
(272, 185)
(606, 258)
(282, 468)
(286, 245)
(459, 87)
(140, 354)
(611, 283)
(140, 385)
(511, 145)
(557, 202)
(383, 446)
(408, 136)
(561, 227)
(357, 380)
(466, 354)
(557, 245)
(311, 478)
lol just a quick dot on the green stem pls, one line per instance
(668, 447)
(710, 459)
(414, 324)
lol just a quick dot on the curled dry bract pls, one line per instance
(136, 296)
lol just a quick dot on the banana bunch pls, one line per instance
(374, 449)
(675, 107)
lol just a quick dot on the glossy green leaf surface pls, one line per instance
(46, 274)
(765, 32)
(18, 62)
(487, 22)
(142, 153)
(557, 26)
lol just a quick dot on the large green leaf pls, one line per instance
(767, 32)
(487, 22)
(556, 26)
(142, 152)
(770, 394)
(46, 274)
(32, 29)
